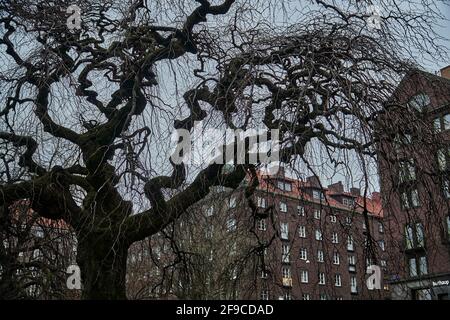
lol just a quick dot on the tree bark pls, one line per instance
(103, 269)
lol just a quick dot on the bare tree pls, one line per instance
(86, 111)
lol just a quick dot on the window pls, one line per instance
(302, 231)
(407, 171)
(323, 296)
(283, 206)
(423, 294)
(306, 296)
(442, 123)
(414, 236)
(383, 263)
(232, 202)
(419, 102)
(410, 199)
(364, 226)
(264, 295)
(284, 231)
(334, 238)
(262, 225)
(38, 232)
(317, 213)
(446, 187)
(423, 266)
(350, 243)
(321, 278)
(317, 194)
(287, 296)
(351, 260)
(319, 256)
(264, 274)
(284, 186)
(333, 219)
(336, 258)
(304, 276)
(285, 253)
(261, 202)
(349, 202)
(301, 211)
(286, 272)
(231, 224)
(318, 235)
(443, 157)
(348, 220)
(448, 226)
(380, 227)
(303, 254)
(353, 287)
(417, 266)
(381, 245)
(36, 254)
(337, 280)
(287, 187)
(210, 211)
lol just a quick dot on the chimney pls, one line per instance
(337, 187)
(355, 191)
(281, 172)
(313, 181)
(445, 72)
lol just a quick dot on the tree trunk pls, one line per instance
(103, 269)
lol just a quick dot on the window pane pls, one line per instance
(412, 267)
(409, 237)
(442, 162)
(423, 267)
(447, 121)
(437, 124)
(415, 198)
(419, 235)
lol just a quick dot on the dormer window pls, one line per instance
(284, 186)
(349, 202)
(419, 102)
(317, 194)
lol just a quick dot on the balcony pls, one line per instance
(287, 282)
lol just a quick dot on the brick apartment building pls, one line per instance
(414, 166)
(305, 242)
(324, 242)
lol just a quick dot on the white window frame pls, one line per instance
(261, 202)
(304, 276)
(284, 230)
(302, 231)
(303, 254)
(336, 258)
(334, 238)
(319, 236)
(320, 256)
(317, 214)
(337, 280)
(322, 280)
